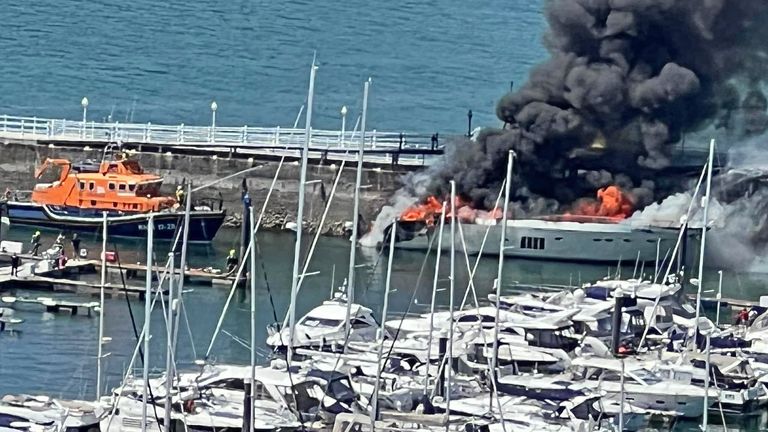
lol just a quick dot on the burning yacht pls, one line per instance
(595, 231)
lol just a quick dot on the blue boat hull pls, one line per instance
(203, 224)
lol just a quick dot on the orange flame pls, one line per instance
(611, 203)
(431, 209)
(422, 212)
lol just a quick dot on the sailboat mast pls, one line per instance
(147, 312)
(182, 266)
(449, 364)
(169, 344)
(499, 275)
(434, 294)
(252, 279)
(300, 212)
(704, 231)
(381, 362)
(100, 353)
(356, 216)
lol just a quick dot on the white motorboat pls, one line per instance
(642, 387)
(48, 414)
(324, 326)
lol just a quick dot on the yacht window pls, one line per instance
(91, 186)
(684, 377)
(121, 187)
(7, 419)
(320, 322)
(531, 242)
(150, 189)
(82, 185)
(135, 206)
(231, 384)
(131, 187)
(627, 241)
(111, 186)
(646, 376)
(609, 240)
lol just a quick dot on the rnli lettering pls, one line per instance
(160, 227)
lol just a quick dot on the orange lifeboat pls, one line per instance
(118, 185)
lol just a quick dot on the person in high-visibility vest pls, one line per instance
(231, 261)
(35, 243)
(180, 195)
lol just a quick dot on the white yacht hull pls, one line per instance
(549, 240)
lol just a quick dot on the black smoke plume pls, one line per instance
(625, 81)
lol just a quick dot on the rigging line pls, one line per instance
(266, 280)
(133, 324)
(408, 309)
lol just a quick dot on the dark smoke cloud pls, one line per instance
(625, 80)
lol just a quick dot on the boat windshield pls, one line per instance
(320, 322)
(151, 189)
(645, 376)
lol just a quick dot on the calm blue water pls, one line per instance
(165, 62)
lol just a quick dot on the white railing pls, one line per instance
(382, 147)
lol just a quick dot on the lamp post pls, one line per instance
(214, 107)
(84, 104)
(343, 124)
(469, 123)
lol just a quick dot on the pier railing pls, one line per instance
(381, 147)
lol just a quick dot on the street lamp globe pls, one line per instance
(214, 106)
(84, 102)
(344, 110)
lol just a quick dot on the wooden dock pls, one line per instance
(56, 279)
(133, 271)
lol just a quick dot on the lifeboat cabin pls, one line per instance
(119, 186)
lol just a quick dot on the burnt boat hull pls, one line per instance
(204, 224)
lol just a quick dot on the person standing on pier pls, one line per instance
(75, 245)
(15, 263)
(59, 243)
(35, 243)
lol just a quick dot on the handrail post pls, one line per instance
(244, 136)
(373, 139)
(49, 126)
(5, 122)
(277, 136)
(117, 133)
(22, 127)
(181, 133)
(34, 125)
(146, 132)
